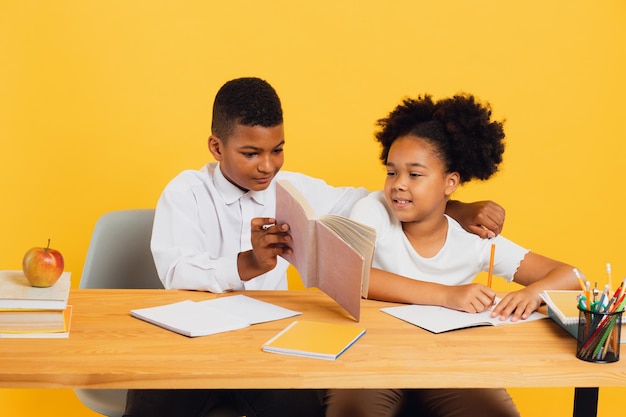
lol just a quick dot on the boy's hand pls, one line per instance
(269, 240)
(518, 305)
(472, 298)
(483, 218)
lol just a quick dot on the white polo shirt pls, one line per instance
(202, 223)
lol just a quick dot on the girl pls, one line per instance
(423, 256)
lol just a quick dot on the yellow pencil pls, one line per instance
(493, 251)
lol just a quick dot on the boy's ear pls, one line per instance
(452, 183)
(216, 147)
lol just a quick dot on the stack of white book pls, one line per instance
(30, 312)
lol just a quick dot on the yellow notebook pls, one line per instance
(563, 309)
(314, 339)
(564, 304)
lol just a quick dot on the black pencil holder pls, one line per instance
(599, 336)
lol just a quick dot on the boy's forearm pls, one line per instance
(454, 209)
(248, 266)
(198, 272)
(482, 218)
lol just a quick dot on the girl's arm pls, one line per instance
(537, 273)
(387, 286)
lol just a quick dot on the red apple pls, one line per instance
(42, 266)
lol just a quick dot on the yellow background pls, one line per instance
(102, 102)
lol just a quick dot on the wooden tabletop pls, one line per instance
(108, 348)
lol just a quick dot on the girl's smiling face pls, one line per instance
(417, 187)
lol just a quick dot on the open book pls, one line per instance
(202, 318)
(563, 309)
(437, 319)
(332, 252)
(314, 339)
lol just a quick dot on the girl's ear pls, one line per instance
(216, 147)
(452, 183)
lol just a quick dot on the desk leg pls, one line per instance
(586, 402)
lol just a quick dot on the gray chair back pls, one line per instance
(119, 253)
(119, 256)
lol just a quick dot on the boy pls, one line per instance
(214, 231)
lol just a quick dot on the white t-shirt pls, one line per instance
(202, 223)
(462, 256)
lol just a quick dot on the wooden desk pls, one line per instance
(107, 348)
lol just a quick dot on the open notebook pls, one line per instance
(437, 319)
(202, 318)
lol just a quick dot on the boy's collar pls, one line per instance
(230, 192)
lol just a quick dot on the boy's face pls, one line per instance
(251, 156)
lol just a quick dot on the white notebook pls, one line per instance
(202, 318)
(439, 319)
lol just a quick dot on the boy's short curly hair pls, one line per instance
(248, 101)
(460, 128)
